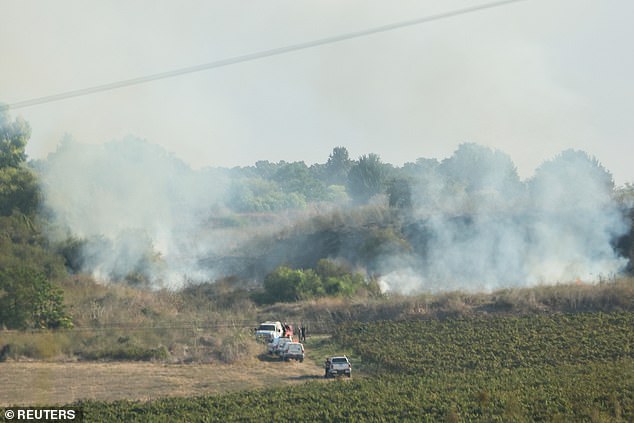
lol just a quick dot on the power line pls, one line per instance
(252, 56)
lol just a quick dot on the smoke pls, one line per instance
(144, 216)
(139, 211)
(485, 229)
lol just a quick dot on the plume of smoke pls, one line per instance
(138, 209)
(486, 229)
(142, 213)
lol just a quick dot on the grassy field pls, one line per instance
(499, 368)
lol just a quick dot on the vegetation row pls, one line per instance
(484, 343)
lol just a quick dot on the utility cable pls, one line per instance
(252, 56)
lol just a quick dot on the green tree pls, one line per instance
(260, 195)
(573, 179)
(474, 168)
(29, 300)
(399, 193)
(366, 178)
(22, 245)
(338, 166)
(18, 185)
(27, 297)
(296, 178)
(383, 242)
(19, 191)
(13, 138)
(266, 169)
(285, 284)
(337, 279)
(423, 170)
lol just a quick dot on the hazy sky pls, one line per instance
(531, 78)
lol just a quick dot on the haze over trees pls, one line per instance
(139, 215)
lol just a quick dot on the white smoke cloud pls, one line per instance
(487, 230)
(143, 212)
(138, 208)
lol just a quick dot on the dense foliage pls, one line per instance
(28, 298)
(327, 279)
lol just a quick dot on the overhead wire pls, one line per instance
(252, 56)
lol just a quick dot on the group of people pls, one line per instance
(301, 331)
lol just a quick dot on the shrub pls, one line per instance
(29, 300)
(236, 347)
(35, 345)
(329, 279)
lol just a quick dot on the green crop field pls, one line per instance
(493, 343)
(593, 393)
(576, 367)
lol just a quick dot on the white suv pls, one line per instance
(278, 345)
(293, 350)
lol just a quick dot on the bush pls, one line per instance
(29, 300)
(329, 279)
(36, 345)
(236, 347)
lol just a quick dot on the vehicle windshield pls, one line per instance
(340, 360)
(267, 327)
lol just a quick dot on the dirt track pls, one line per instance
(40, 383)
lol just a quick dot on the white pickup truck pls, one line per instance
(268, 331)
(337, 365)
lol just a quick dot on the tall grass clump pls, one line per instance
(38, 345)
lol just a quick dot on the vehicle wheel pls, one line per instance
(349, 375)
(301, 360)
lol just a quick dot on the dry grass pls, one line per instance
(211, 323)
(323, 314)
(40, 383)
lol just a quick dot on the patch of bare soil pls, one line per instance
(44, 383)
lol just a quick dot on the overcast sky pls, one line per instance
(531, 78)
